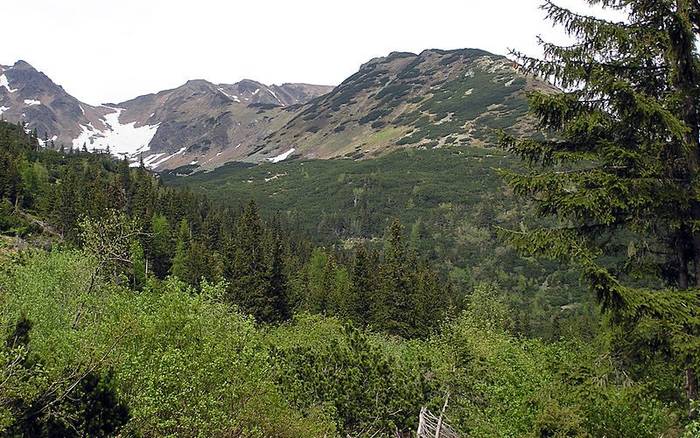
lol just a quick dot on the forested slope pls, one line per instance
(139, 309)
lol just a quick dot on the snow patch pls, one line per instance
(230, 96)
(257, 90)
(5, 83)
(151, 158)
(274, 177)
(274, 95)
(120, 138)
(43, 143)
(32, 102)
(163, 160)
(447, 118)
(281, 157)
(3, 109)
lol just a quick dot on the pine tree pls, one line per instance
(618, 164)
(160, 245)
(393, 308)
(362, 292)
(249, 272)
(138, 265)
(179, 267)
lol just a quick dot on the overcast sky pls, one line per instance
(113, 50)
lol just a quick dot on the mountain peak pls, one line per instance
(197, 83)
(23, 65)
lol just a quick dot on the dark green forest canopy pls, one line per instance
(450, 200)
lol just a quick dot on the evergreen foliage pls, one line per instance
(618, 169)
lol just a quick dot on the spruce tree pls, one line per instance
(278, 302)
(160, 245)
(318, 282)
(180, 267)
(249, 273)
(138, 265)
(393, 308)
(361, 294)
(617, 165)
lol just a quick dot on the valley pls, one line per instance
(447, 243)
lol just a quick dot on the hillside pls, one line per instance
(197, 117)
(429, 100)
(31, 97)
(436, 98)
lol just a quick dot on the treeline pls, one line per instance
(271, 270)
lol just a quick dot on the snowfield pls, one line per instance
(281, 157)
(5, 83)
(31, 102)
(43, 143)
(121, 138)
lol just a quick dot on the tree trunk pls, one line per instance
(683, 281)
(691, 389)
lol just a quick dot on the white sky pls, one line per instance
(113, 50)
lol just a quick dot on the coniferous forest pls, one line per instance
(132, 304)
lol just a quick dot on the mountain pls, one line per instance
(201, 121)
(198, 115)
(427, 100)
(29, 96)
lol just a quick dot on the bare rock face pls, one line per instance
(29, 96)
(426, 100)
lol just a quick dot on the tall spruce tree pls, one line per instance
(160, 245)
(277, 299)
(393, 310)
(179, 267)
(250, 274)
(362, 291)
(617, 165)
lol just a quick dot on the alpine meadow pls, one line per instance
(448, 243)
